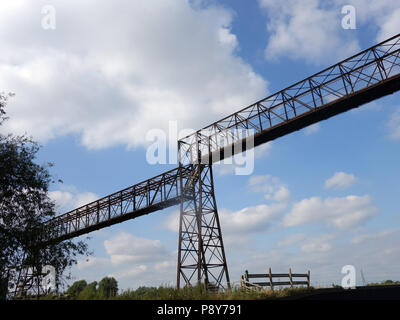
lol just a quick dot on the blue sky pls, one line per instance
(90, 89)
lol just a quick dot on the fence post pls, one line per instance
(242, 283)
(270, 279)
(308, 279)
(246, 274)
(290, 277)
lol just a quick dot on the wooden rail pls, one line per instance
(246, 283)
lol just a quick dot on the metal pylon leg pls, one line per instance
(29, 282)
(201, 254)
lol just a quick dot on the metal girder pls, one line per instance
(364, 77)
(147, 196)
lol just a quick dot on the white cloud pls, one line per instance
(281, 195)
(378, 258)
(273, 188)
(130, 273)
(250, 219)
(111, 73)
(126, 248)
(317, 244)
(238, 225)
(167, 264)
(263, 150)
(344, 213)
(92, 262)
(230, 166)
(172, 222)
(311, 29)
(374, 236)
(390, 26)
(307, 244)
(292, 239)
(71, 199)
(384, 14)
(308, 30)
(341, 180)
(244, 221)
(314, 128)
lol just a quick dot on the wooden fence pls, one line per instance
(246, 283)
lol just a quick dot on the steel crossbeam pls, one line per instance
(364, 77)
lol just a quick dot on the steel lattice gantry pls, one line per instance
(361, 78)
(150, 195)
(364, 77)
(201, 254)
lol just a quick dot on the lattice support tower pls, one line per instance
(201, 254)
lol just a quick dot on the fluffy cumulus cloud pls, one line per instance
(243, 221)
(70, 198)
(111, 71)
(384, 14)
(132, 260)
(272, 187)
(343, 213)
(341, 180)
(250, 219)
(238, 226)
(131, 272)
(316, 244)
(312, 29)
(126, 248)
(309, 30)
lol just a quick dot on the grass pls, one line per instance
(194, 293)
(198, 293)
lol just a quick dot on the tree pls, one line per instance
(89, 292)
(24, 207)
(108, 287)
(76, 288)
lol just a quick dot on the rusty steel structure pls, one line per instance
(153, 194)
(364, 77)
(201, 254)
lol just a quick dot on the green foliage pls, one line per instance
(108, 287)
(25, 206)
(198, 293)
(76, 288)
(385, 283)
(90, 292)
(93, 292)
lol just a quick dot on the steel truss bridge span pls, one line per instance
(364, 77)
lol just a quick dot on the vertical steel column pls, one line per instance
(201, 254)
(29, 282)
